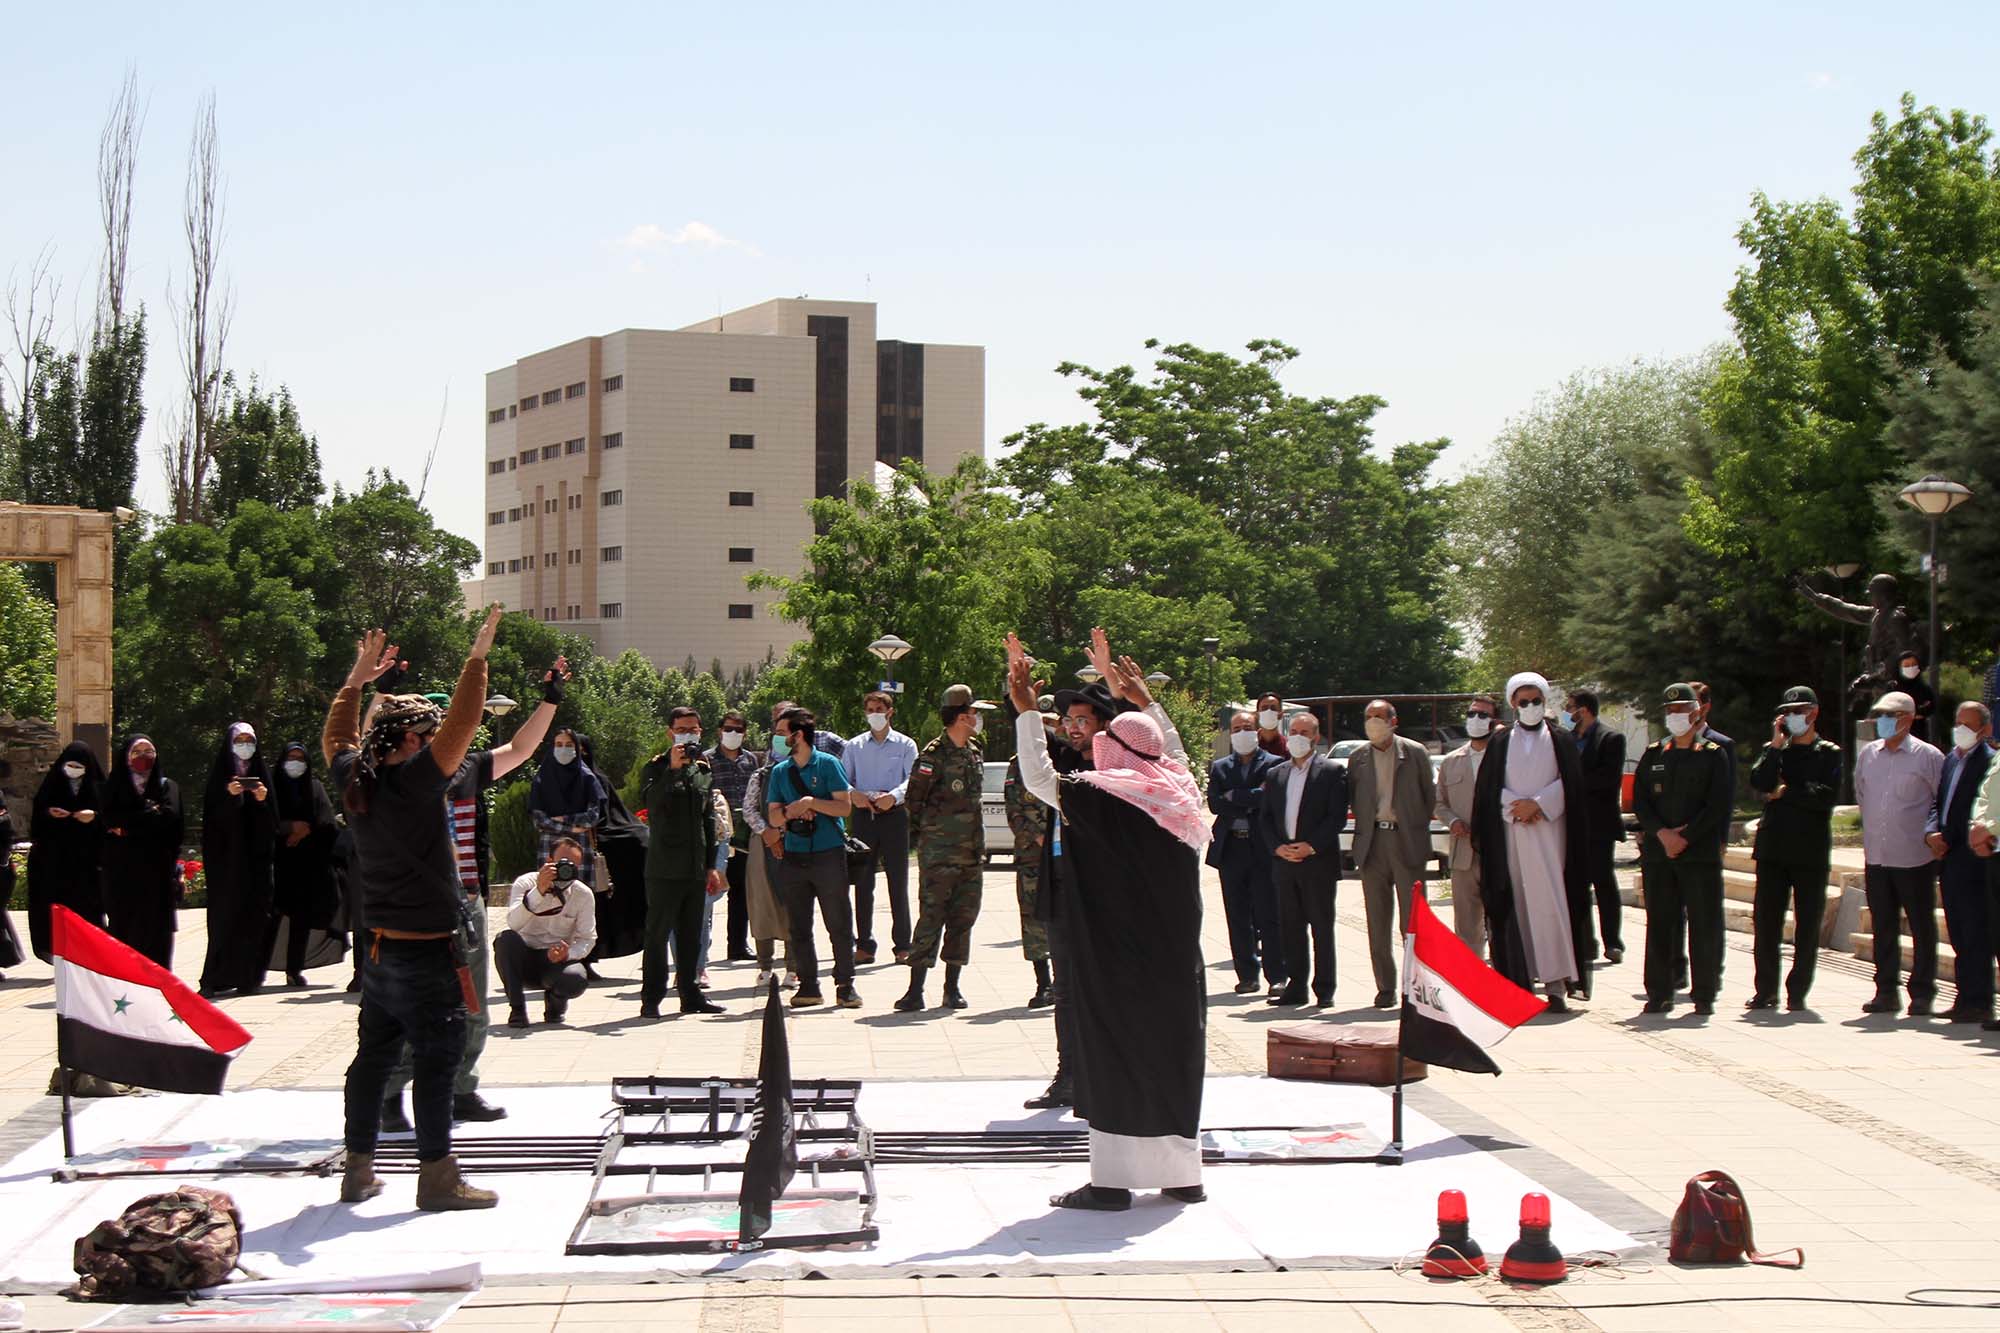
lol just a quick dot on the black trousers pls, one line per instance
(1305, 918)
(1250, 907)
(887, 834)
(1604, 883)
(1801, 888)
(673, 906)
(1895, 892)
(809, 878)
(1069, 1048)
(1962, 885)
(409, 992)
(736, 905)
(1677, 891)
(523, 967)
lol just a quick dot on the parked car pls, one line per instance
(999, 837)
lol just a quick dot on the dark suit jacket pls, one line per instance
(1322, 808)
(1602, 759)
(1954, 823)
(1236, 791)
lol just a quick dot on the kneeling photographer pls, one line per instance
(551, 920)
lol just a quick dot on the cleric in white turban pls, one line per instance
(1533, 871)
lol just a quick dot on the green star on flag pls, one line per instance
(121, 1005)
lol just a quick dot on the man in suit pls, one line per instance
(1456, 779)
(1249, 902)
(1393, 799)
(1304, 809)
(1964, 872)
(1602, 754)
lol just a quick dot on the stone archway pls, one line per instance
(79, 543)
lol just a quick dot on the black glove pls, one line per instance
(552, 686)
(391, 681)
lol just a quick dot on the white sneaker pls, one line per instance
(791, 981)
(763, 977)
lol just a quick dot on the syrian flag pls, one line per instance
(123, 1017)
(1455, 1007)
(774, 1154)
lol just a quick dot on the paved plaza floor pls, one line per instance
(1873, 1142)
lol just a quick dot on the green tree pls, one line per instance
(52, 470)
(262, 453)
(616, 702)
(922, 559)
(27, 648)
(113, 412)
(401, 571)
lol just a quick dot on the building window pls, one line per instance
(743, 442)
(548, 613)
(551, 398)
(526, 455)
(495, 467)
(574, 391)
(496, 567)
(528, 403)
(514, 515)
(548, 560)
(742, 499)
(496, 518)
(572, 446)
(551, 451)
(739, 610)
(610, 498)
(611, 555)
(513, 566)
(742, 384)
(576, 501)
(512, 462)
(615, 440)
(548, 506)
(576, 557)
(742, 555)
(613, 383)
(610, 610)
(511, 410)
(496, 416)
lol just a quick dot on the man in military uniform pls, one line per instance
(1029, 819)
(1798, 777)
(681, 872)
(1681, 795)
(945, 826)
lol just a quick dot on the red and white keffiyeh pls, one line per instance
(1130, 762)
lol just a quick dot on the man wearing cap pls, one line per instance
(946, 826)
(1961, 871)
(1896, 782)
(1798, 778)
(1680, 793)
(1028, 819)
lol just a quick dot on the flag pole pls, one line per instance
(62, 1077)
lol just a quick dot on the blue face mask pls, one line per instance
(1885, 726)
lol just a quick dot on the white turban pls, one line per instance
(1520, 678)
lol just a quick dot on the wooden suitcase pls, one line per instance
(1338, 1053)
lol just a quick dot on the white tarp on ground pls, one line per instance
(935, 1220)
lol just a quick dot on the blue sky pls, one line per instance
(1451, 206)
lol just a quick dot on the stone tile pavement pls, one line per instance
(1874, 1142)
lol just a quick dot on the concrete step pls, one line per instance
(1866, 926)
(1947, 962)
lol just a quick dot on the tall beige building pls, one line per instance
(633, 480)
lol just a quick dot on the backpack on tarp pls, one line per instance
(180, 1241)
(1712, 1226)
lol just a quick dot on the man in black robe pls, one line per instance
(67, 837)
(1133, 826)
(1497, 890)
(143, 828)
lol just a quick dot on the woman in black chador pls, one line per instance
(62, 863)
(238, 826)
(304, 893)
(143, 827)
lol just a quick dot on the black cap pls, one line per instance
(1096, 694)
(1800, 694)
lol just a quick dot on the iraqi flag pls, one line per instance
(773, 1156)
(123, 1017)
(1455, 1007)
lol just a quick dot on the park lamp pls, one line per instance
(500, 705)
(1089, 675)
(1158, 678)
(889, 648)
(1934, 497)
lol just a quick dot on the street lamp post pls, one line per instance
(1934, 497)
(1841, 573)
(1209, 648)
(891, 650)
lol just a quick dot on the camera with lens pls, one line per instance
(802, 828)
(565, 871)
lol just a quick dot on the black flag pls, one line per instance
(773, 1155)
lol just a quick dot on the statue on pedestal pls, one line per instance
(1890, 634)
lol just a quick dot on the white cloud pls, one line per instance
(649, 236)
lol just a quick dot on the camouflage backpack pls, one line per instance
(180, 1241)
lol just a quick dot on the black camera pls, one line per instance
(565, 871)
(802, 828)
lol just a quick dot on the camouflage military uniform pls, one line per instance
(943, 800)
(1029, 819)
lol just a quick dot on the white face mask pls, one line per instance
(1377, 728)
(295, 768)
(978, 723)
(1300, 746)
(1912, 672)
(1964, 737)
(72, 771)
(1268, 719)
(1531, 715)
(1680, 723)
(1243, 742)
(245, 750)
(564, 754)
(1798, 723)
(1477, 725)
(732, 740)
(878, 723)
